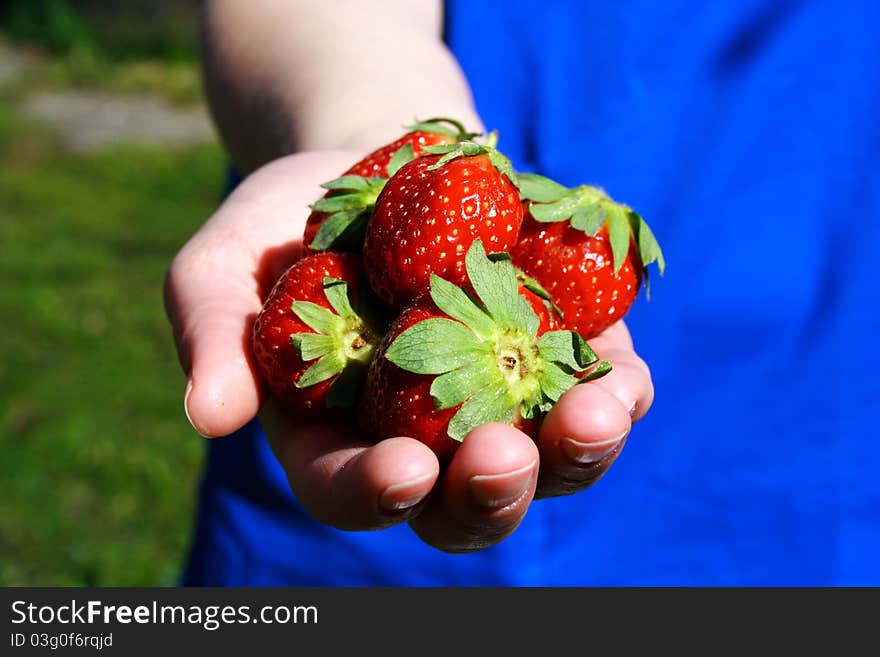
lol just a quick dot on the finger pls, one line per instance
(212, 309)
(630, 378)
(616, 336)
(215, 286)
(345, 482)
(629, 381)
(579, 439)
(484, 493)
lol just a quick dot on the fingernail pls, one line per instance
(585, 453)
(186, 394)
(499, 490)
(406, 494)
(632, 409)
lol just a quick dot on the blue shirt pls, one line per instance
(747, 133)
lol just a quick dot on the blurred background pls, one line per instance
(108, 162)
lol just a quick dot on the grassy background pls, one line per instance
(98, 464)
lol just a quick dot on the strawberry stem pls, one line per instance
(436, 125)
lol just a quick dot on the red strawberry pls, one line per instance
(587, 251)
(308, 341)
(453, 360)
(428, 133)
(376, 167)
(431, 211)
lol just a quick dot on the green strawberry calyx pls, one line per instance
(588, 209)
(342, 345)
(536, 288)
(350, 204)
(445, 126)
(470, 148)
(486, 353)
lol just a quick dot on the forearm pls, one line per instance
(291, 75)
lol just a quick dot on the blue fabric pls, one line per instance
(748, 134)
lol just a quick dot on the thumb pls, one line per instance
(213, 289)
(212, 306)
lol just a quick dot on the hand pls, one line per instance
(214, 290)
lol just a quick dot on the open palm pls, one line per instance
(216, 286)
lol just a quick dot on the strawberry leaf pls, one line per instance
(348, 211)
(315, 317)
(555, 381)
(649, 249)
(602, 368)
(435, 346)
(535, 404)
(447, 157)
(589, 219)
(552, 212)
(489, 404)
(312, 345)
(619, 234)
(589, 208)
(535, 287)
(455, 302)
(352, 183)
(342, 341)
(430, 126)
(338, 203)
(450, 152)
(532, 285)
(336, 291)
(453, 151)
(583, 353)
(441, 149)
(496, 286)
(326, 367)
(526, 317)
(500, 162)
(452, 388)
(499, 256)
(566, 348)
(403, 155)
(533, 187)
(337, 227)
(566, 352)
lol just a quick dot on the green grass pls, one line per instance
(177, 82)
(117, 30)
(99, 464)
(117, 47)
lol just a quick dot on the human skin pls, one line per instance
(217, 282)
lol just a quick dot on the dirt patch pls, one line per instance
(12, 63)
(90, 121)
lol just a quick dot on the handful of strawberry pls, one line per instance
(441, 291)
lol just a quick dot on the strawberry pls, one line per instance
(590, 253)
(311, 347)
(457, 358)
(430, 213)
(362, 182)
